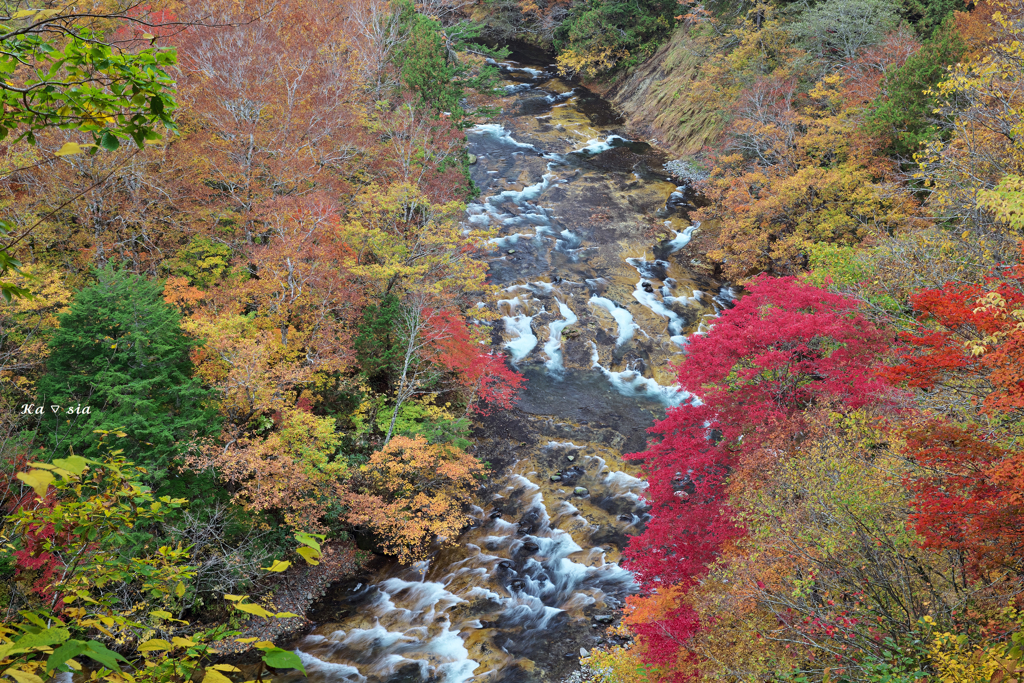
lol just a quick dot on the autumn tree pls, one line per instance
(982, 100)
(411, 492)
(784, 348)
(120, 361)
(271, 113)
(798, 176)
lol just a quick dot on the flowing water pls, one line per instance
(595, 306)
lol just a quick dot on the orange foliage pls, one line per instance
(411, 491)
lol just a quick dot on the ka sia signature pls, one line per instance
(33, 409)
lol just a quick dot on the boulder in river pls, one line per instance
(581, 491)
(604, 618)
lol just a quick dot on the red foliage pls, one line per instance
(970, 346)
(971, 498)
(478, 370)
(955, 320)
(784, 347)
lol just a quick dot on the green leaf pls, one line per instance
(50, 636)
(104, 656)
(283, 659)
(156, 105)
(70, 649)
(109, 141)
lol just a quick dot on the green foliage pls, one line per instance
(377, 343)
(904, 115)
(120, 352)
(599, 36)
(838, 29)
(203, 262)
(433, 423)
(428, 63)
(929, 16)
(78, 82)
(100, 591)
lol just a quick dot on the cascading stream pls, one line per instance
(572, 199)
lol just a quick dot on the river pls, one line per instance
(594, 308)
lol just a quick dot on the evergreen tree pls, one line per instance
(905, 116)
(121, 362)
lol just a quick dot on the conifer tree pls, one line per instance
(121, 362)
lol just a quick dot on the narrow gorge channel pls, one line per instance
(597, 301)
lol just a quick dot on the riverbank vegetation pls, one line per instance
(846, 501)
(235, 335)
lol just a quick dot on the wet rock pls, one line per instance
(511, 251)
(584, 652)
(581, 491)
(495, 514)
(492, 545)
(505, 564)
(517, 585)
(530, 547)
(604, 618)
(556, 477)
(570, 655)
(570, 458)
(472, 158)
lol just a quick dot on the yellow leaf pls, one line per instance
(311, 556)
(250, 608)
(264, 643)
(233, 598)
(155, 645)
(69, 148)
(246, 641)
(226, 667)
(285, 615)
(278, 566)
(39, 480)
(179, 589)
(214, 676)
(182, 642)
(161, 613)
(22, 676)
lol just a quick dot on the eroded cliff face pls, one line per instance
(655, 100)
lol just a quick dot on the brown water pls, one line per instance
(595, 308)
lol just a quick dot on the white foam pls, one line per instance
(553, 346)
(631, 383)
(651, 301)
(563, 444)
(623, 318)
(529, 193)
(508, 240)
(682, 238)
(520, 347)
(597, 145)
(498, 132)
(347, 673)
